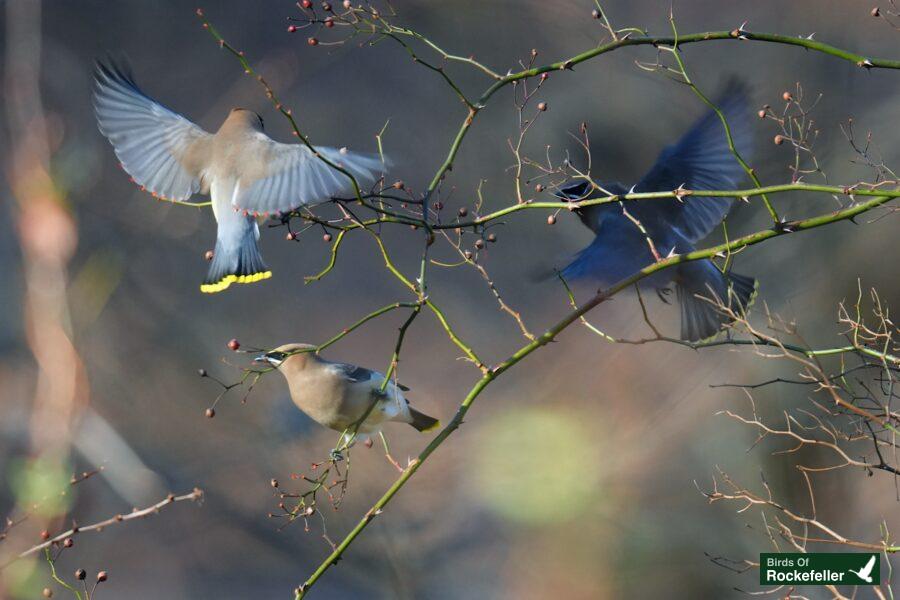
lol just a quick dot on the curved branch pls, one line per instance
(550, 334)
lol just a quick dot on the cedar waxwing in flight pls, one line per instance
(245, 172)
(700, 160)
(337, 395)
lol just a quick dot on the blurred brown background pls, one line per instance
(573, 476)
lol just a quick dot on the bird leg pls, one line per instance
(387, 452)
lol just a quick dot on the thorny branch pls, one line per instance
(423, 212)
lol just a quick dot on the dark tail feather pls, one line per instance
(743, 290)
(423, 422)
(240, 264)
(701, 319)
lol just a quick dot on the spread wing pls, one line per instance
(357, 374)
(159, 148)
(702, 160)
(285, 176)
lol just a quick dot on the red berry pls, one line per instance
(210, 413)
(539, 188)
(312, 41)
(779, 139)
(347, 4)
(102, 576)
(234, 345)
(787, 96)
(551, 220)
(327, 237)
(80, 574)
(45, 535)
(761, 114)
(306, 3)
(292, 28)
(479, 243)
(542, 106)
(329, 22)
(209, 255)
(291, 236)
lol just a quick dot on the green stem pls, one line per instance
(549, 335)
(708, 36)
(746, 193)
(364, 320)
(676, 53)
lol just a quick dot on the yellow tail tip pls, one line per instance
(225, 282)
(436, 425)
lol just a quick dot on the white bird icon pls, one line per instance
(866, 572)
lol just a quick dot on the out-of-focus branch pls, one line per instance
(749, 498)
(195, 495)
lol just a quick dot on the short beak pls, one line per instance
(265, 359)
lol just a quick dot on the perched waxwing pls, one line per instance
(337, 395)
(246, 173)
(701, 160)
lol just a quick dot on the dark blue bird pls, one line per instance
(700, 160)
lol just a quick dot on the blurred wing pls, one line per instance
(285, 176)
(701, 160)
(356, 374)
(160, 149)
(617, 251)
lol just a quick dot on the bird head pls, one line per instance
(295, 355)
(573, 192)
(246, 117)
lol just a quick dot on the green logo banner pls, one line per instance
(819, 568)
